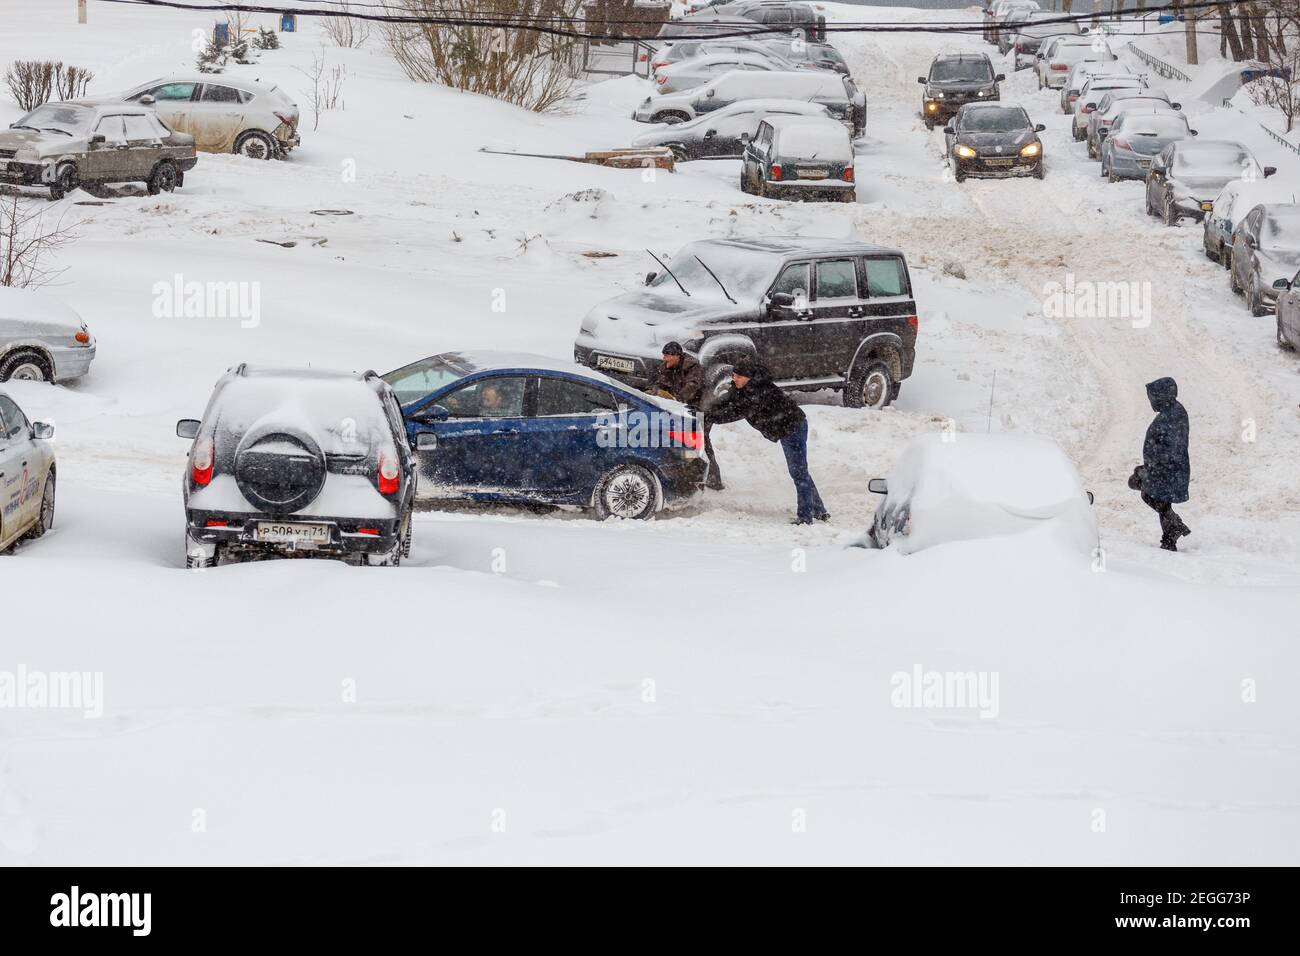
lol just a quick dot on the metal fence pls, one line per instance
(1160, 66)
(619, 58)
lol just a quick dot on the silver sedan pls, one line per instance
(41, 339)
(26, 476)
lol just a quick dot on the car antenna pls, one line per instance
(716, 279)
(664, 266)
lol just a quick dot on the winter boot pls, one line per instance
(1169, 543)
(1180, 528)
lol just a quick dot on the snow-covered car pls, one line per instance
(998, 12)
(785, 15)
(724, 133)
(964, 487)
(1187, 176)
(993, 140)
(834, 91)
(689, 74)
(1036, 30)
(821, 56)
(90, 142)
(1136, 137)
(1288, 312)
(1079, 75)
(296, 463)
(500, 426)
(1094, 90)
(954, 80)
(41, 339)
(1058, 55)
(680, 50)
(818, 313)
(1265, 254)
(1238, 198)
(1116, 102)
(27, 473)
(710, 23)
(799, 157)
(224, 114)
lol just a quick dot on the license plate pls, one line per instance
(1144, 163)
(617, 364)
(814, 173)
(998, 162)
(285, 532)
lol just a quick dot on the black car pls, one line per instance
(992, 140)
(295, 463)
(819, 313)
(799, 157)
(954, 80)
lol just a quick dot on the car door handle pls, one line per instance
(857, 312)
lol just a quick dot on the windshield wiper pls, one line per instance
(664, 266)
(53, 129)
(716, 279)
(20, 126)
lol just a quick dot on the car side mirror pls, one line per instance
(950, 131)
(426, 441)
(650, 277)
(709, 93)
(1175, 106)
(745, 137)
(45, 431)
(710, 133)
(878, 486)
(921, 80)
(146, 100)
(999, 78)
(1194, 132)
(1269, 171)
(1282, 285)
(1039, 128)
(98, 138)
(780, 300)
(188, 428)
(1091, 498)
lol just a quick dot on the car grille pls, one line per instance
(8, 153)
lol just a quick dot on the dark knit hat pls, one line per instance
(673, 348)
(745, 367)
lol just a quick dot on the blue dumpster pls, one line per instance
(221, 34)
(288, 23)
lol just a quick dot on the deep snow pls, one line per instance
(690, 689)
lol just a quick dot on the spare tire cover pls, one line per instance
(279, 469)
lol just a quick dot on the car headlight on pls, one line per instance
(964, 152)
(936, 94)
(932, 107)
(1033, 149)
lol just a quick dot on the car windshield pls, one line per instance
(413, 382)
(741, 271)
(1163, 127)
(1281, 229)
(961, 71)
(993, 120)
(1216, 162)
(60, 117)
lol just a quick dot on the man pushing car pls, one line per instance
(680, 377)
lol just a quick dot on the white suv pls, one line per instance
(224, 114)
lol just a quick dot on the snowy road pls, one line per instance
(545, 688)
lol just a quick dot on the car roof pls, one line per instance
(741, 106)
(289, 373)
(99, 103)
(976, 107)
(960, 56)
(239, 83)
(801, 245)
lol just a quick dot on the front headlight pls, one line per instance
(935, 94)
(965, 152)
(1033, 149)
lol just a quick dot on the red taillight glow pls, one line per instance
(389, 474)
(83, 337)
(288, 119)
(689, 439)
(1060, 66)
(913, 323)
(661, 80)
(374, 531)
(848, 174)
(217, 524)
(776, 170)
(1121, 142)
(201, 462)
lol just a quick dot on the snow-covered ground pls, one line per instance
(715, 686)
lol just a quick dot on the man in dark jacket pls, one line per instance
(760, 401)
(680, 377)
(1166, 468)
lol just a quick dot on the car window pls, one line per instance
(173, 91)
(498, 397)
(219, 94)
(139, 129)
(764, 134)
(885, 277)
(557, 396)
(159, 127)
(737, 123)
(794, 281)
(837, 279)
(413, 382)
(112, 129)
(13, 423)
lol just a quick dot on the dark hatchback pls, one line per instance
(992, 140)
(955, 80)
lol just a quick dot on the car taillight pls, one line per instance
(83, 337)
(390, 474)
(1060, 66)
(288, 119)
(217, 524)
(776, 170)
(374, 531)
(661, 80)
(658, 63)
(913, 323)
(848, 174)
(1086, 108)
(1121, 143)
(201, 462)
(689, 439)
(1020, 48)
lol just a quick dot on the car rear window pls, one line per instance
(885, 277)
(219, 94)
(837, 279)
(827, 140)
(558, 396)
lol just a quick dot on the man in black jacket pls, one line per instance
(1166, 467)
(760, 401)
(680, 377)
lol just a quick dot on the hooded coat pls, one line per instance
(1164, 452)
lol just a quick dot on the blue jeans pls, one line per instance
(795, 446)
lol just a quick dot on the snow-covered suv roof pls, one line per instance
(804, 245)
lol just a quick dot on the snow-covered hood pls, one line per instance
(989, 141)
(23, 312)
(646, 316)
(959, 86)
(1277, 264)
(29, 144)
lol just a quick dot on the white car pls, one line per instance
(691, 73)
(1057, 57)
(1237, 199)
(26, 476)
(1079, 74)
(41, 339)
(681, 50)
(1001, 10)
(224, 114)
(1094, 88)
(981, 486)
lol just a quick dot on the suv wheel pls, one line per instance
(25, 365)
(65, 181)
(869, 386)
(628, 491)
(256, 145)
(163, 179)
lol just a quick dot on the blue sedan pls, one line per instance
(496, 426)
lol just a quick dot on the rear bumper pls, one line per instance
(70, 363)
(803, 188)
(1127, 166)
(683, 481)
(239, 533)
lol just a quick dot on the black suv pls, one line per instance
(956, 79)
(297, 463)
(819, 313)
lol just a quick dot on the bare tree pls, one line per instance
(326, 90)
(33, 82)
(344, 30)
(531, 69)
(1276, 25)
(27, 241)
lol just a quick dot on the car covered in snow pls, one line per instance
(1238, 198)
(1136, 137)
(1288, 312)
(1265, 254)
(962, 487)
(680, 50)
(723, 133)
(820, 56)
(64, 145)
(834, 91)
(954, 80)
(504, 427)
(688, 74)
(1110, 106)
(224, 114)
(1058, 55)
(1094, 88)
(1004, 11)
(1187, 176)
(298, 463)
(1034, 31)
(41, 339)
(818, 313)
(991, 140)
(27, 473)
(1079, 75)
(799, 157)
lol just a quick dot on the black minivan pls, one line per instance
(819, 313)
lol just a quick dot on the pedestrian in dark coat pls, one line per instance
(680, 377)
(1166, 467)
(760, 401)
